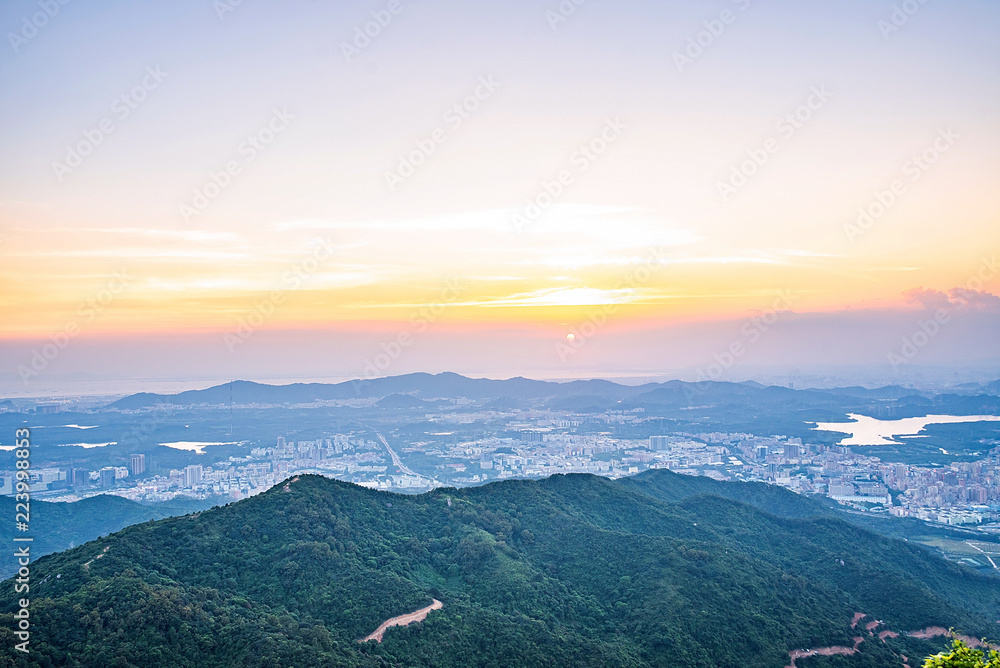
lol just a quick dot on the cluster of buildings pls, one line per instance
(960, 493)
(76, 479)
(355, 459)
(540, 443)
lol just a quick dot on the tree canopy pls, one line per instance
(963, 656)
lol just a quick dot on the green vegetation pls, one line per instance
(656, 570)
(60, 526)
(963, 656)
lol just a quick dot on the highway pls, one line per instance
(400, 465)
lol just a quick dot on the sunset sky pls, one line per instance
(199, 189)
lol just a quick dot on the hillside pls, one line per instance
(60, 526)
(660, 570)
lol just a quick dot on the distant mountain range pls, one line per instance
(655, 570)
(413, 390)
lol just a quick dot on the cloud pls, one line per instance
(932, 300)
(975, 299)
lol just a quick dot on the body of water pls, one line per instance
(866, 430)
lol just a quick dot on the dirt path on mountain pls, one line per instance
(403, 620)
(824, 651)
(929, 632)
(86, 566)
(935, 631)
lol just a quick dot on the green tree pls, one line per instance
(963, 656)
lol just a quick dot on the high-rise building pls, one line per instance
(80, 478)
(659, 443)
(108, 476)
(137, 464)
(192, 475)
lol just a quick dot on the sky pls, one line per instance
(260, 189)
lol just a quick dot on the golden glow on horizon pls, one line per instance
(191, 280)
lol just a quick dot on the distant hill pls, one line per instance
(60, 526)
(401, 401)
(583, 395)
(577, 570)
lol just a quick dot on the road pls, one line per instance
(403, 620)
(403, 467)
(975, 547)
(395, 458)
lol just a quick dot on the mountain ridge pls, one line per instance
(427, 386)
(571, 569)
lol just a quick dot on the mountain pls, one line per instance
(585, 396)
(401, 401)
(60, 526)
(577, 570)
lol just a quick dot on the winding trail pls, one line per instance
(824, 651)
(976, 547)
(936, 631)
(86, 566)
(930, 632)
(403, 620)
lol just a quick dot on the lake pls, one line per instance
(866, 430)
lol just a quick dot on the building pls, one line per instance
(137, 464)
(108, 476)
(659, 443)
(192, 475)
(80, 478)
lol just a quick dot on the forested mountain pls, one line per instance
(656, 570)
(60, 526)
